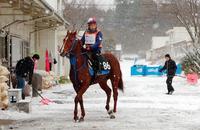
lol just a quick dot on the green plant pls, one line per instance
(191, 62)
(64, 80)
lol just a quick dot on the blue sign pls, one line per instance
(153, 70)
(137, 70)
(144, 70)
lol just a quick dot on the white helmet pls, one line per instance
(91, 20)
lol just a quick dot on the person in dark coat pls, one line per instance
(170, 66)
(24, 69)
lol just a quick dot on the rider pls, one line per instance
(92, 42)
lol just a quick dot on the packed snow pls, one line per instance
(143, 106)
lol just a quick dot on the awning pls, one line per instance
(41, 14)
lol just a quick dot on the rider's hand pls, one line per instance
(84, 46)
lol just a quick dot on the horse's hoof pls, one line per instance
(110, 112)
(76, 119)
(112, 116)
(81, 119)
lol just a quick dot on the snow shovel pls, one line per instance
(181, 76)
(191, 78)
(44, 101)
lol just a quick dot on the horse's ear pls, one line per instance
(67, 32)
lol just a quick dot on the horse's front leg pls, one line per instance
(76, 109)
(82, 110)
(79, 99)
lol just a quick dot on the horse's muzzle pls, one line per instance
(63, 54)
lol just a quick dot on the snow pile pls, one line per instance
(4, 71)
(49, 79)
(3, 87)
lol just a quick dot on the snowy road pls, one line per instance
(143, 106)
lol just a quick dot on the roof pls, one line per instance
(40, 12)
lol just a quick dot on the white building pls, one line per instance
(159, 41)
(176, 41)
(178, 34)
(31, 27)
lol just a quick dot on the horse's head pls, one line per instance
(68, 43)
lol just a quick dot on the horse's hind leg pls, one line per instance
(107, 90)
(115, 83)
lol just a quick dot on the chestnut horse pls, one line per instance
(80, 76)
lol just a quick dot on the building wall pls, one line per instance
(178, 34)
(21, 29)
(50, 39)
(176, 50)
(178, 41)
(46, 40)
(63, 62)
(39, 40)
(19, 33)
(158, 42)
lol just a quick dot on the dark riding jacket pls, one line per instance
(170, 66)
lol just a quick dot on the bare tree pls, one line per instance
(187, 12)
(77, 12)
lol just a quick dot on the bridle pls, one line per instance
(63, 43)
(74, 43)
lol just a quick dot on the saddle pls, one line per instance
(98, 65)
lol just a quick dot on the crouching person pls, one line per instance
(24, 69)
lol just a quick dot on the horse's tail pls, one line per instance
(121, 84)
